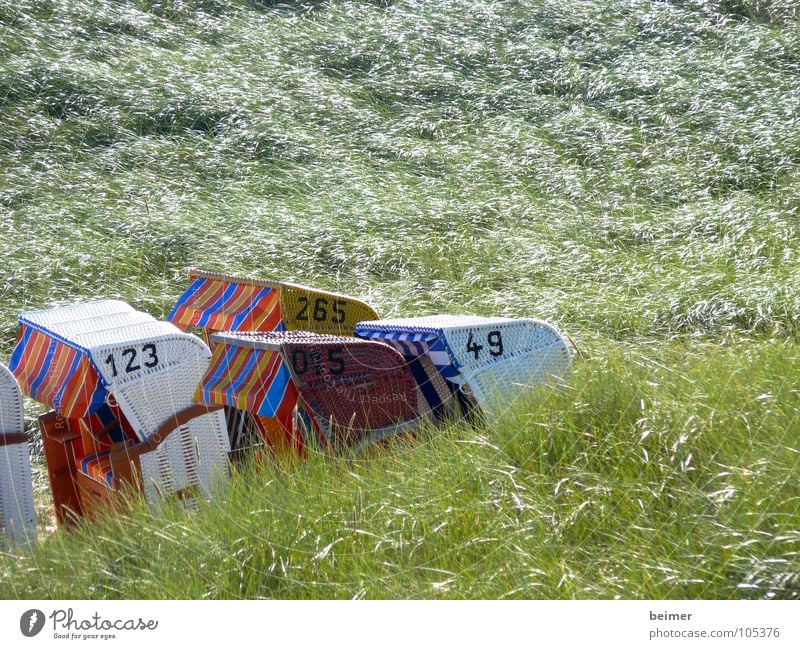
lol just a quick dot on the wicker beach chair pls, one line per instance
(215, 302)
(486, 362)
(121, 385)
(255, 386)
(353, 392)
(17, 515)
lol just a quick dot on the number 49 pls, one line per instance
(494, 339)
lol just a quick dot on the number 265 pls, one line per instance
(319, 311)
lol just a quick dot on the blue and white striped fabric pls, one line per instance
(415, 343)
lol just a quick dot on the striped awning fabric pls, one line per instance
(56, 373)
(414, 343)
(51, 360)
(255, 380)
(218, 304)
(425, 350)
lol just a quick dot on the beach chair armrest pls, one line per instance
(126, 454)
(177, 420)
(63, 435)
(8, 439)
(130, 450)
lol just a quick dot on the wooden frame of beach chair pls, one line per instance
(17, 513)
(488, 362)
(105, 368)
(357, 392)
(75, 493)
(216, 302)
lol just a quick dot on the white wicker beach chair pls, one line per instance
(108, 370)
(487, 361)
(17, 515)
(193, 454)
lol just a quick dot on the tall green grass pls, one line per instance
(628, 170)
(644, 477)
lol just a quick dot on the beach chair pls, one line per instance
(254, 385)
(353, 392)
(17, 515)
(215, 302)
(486, 362)
(121, 385)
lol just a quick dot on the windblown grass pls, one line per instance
(642, 479)
(628, 170)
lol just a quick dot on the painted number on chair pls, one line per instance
(132, 361)
(303, 362)
(494, 340)
(319, 310)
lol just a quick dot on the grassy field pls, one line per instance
(628, 170)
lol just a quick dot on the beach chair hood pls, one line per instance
(216, 302)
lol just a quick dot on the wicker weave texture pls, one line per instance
(81, 332)
(49, 318)
(497, 385)
(145, 352)
(192, 459)
(150, 395)
(432, 323)
(309, 309)
(353, 387)
(123, 336)
(11, 412)
(17, 514)
(275, 340)
(164, 383)
(499, 361)
(475, 346)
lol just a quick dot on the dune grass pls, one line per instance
(627, 170)
(641, 479)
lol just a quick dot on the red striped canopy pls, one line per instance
(56, 373)
(221, 304)
(255, 380)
